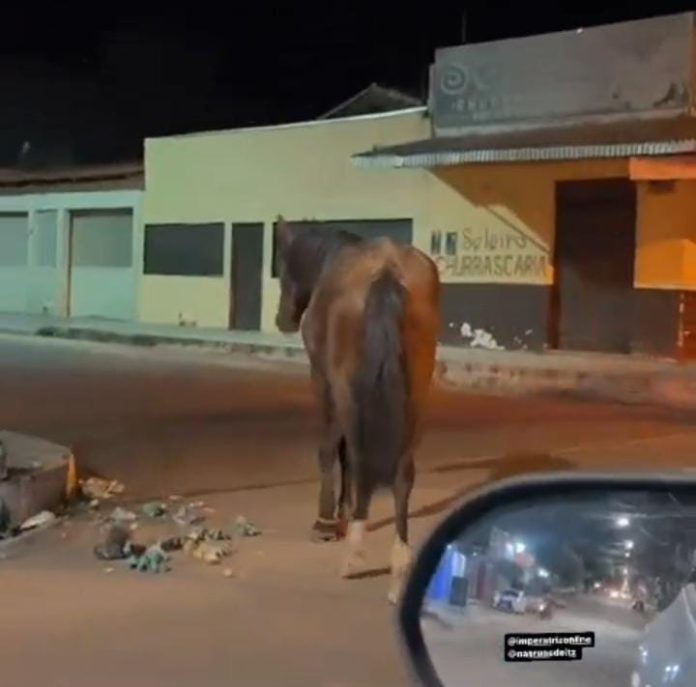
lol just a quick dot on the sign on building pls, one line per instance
(627, 68)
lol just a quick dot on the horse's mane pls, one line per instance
(311, 249)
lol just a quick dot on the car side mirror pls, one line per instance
(558, 579)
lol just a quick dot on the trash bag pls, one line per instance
(154, 509)
(115, 544)
(246, 528)
(154, 559)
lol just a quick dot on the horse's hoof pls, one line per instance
(394, 591)
(324, 531)
(341, 529)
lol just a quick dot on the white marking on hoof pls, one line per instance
(400, 565)
(354, 561)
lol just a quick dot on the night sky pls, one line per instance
(87, 84)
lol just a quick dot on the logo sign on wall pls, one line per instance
(626, 68)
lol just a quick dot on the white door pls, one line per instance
(14, 262)
(102, 276)
(44, 284)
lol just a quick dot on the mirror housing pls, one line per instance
(480, 504)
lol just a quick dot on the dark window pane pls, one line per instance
(192, 250)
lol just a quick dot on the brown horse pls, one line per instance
(368, 311)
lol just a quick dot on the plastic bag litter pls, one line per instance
(154, 560)
(122, 515)
(246, 528)
(206, 551)
(155, 509)
(115, 544)
(45, 517)
(97, 488)
(188, 515)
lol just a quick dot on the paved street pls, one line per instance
(470, 653)
(241, 436)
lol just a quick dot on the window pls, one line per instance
(14, 240)
(102, 238)
(189, 250)
(399, 230)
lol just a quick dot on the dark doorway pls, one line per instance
(247, 267)
(594, 266)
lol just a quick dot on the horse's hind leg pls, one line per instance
(401, 551)
(345, 498)
(354, 560)
(325, 527)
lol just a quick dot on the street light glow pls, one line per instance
(623, 521)
(629, 544)
(519, 547)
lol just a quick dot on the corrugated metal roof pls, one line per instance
(577, 142)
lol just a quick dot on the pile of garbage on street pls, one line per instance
(194, 538)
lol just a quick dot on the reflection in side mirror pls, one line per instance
(575, 583)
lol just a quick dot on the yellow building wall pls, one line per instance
(298, 171)
(666, 235)
(509, 218)
(502, 215)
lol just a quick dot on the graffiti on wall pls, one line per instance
(488, 254)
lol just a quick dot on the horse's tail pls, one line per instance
(380, 387)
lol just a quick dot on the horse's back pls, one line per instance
(358, 266)
(343, 295)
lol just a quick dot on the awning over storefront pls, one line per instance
(637, 138)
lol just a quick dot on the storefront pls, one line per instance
(577, 229)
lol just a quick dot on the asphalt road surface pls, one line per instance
(470, 652)
(170, 420)
(241, 435)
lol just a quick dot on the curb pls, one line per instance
(153, 340)
(40, 478)
(7, 544)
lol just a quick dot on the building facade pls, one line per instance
(557, 197)
(579, 175)
(71, 242)
(212, 200)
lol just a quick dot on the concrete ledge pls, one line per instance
(38, 476)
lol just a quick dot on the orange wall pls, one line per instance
(519, 199)
(666, 235)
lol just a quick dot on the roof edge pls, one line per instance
(377, 160)
(294, 125)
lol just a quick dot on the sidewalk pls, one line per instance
(627, 379)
